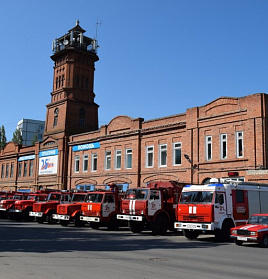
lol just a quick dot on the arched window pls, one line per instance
(56, 114)
(82, 117)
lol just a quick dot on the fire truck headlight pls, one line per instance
(204, 226)
(142, 212)
(253, 233)
(98, 214)
(123, 211)
(234, 231)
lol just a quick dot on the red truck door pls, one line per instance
(240, 206)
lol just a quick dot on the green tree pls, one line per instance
(17, 137)
(3, 139)
(35, 139)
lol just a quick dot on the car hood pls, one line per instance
(251, 227)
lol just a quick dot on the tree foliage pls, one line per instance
(3, 139)
(35, 139)
(17, 137)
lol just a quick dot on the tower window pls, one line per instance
(82, 114)
(56, 114)
(59, 81)
(62, 81)
(82, 81)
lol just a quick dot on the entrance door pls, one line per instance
(154, 202)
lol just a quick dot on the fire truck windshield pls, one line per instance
(78, 198)
(95, 198)
(137, 194)
(254, 220)
(54, 197)
(196, 197)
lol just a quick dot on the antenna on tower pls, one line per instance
(98, 23)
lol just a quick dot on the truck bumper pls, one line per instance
(90, 219)
(3, 209)
(36, 214)
(130, 217)
(194, 226)
(61, 217)
(12, 210)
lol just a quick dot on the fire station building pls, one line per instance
(226, 138)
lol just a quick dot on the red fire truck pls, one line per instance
(7, 204)
(70, 212)
(101, 208)
(43, 211)
(256, 231)
(152, 207)
(21, 208)
(217, 207)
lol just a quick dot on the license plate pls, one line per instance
(191, 226)
(242, 238)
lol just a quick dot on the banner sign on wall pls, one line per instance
(48, 161)
(86, 146)
(26, 158)
(51, 152)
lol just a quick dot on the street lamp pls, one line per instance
(193, 167)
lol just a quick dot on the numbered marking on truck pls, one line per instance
(132, 206)
(89, 207)
(192, 209)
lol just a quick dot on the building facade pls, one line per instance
(226, 138)
(31, 130)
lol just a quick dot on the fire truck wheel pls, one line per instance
(94, 225)
(135, 227)
(64, 223)
(50, 219)
(19, 218)
(264, 242)
(113, 224)
(238, 242)
(160, 225)
(40, 220)
(78, 222)
(224, 233)
(26, 217)
(190, 234)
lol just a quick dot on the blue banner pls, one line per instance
(27, 157)
(51, 152)
(86, 146)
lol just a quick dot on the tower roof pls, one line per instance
(77, 28)
(75, 38)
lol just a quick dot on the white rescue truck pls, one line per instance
(217, 207)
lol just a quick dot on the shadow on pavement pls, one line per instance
(33, 237)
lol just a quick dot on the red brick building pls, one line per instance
(225, 138)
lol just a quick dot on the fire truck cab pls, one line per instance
(152, 207)
(101, 208)
(43, 211)
(217, 207)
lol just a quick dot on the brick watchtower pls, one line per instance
(72, 109)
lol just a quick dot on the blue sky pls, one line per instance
(157, 57)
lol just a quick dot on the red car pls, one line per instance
(256, 230)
